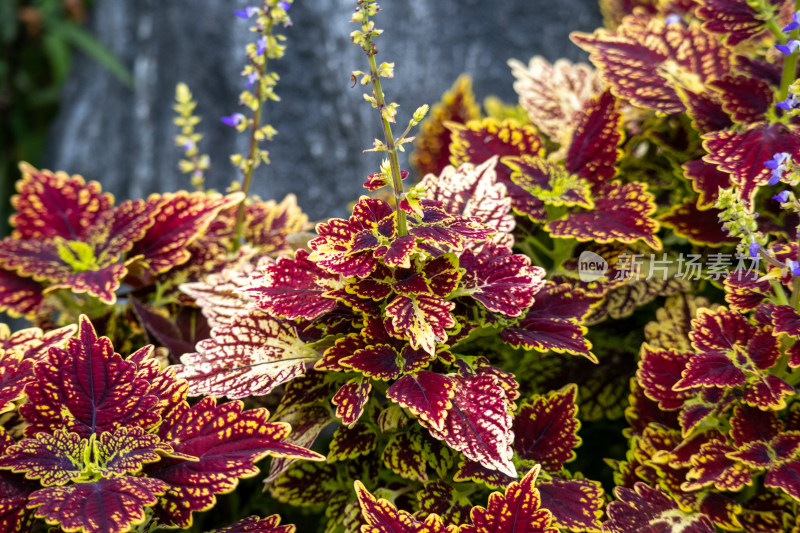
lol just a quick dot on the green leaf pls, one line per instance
(83, 40)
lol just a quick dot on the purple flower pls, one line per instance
(261, 46)
(188, 145)
(794, 24)
(789, 48)
(790, 103)
(782, 196)
(246, 13)
(778, 164)
(672, 19)
(251, 79)
(286, 5)
(793, 267)
(234, 120)
(754, 246)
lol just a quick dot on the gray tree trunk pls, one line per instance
(124, 138)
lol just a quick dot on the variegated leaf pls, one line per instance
(251, 356)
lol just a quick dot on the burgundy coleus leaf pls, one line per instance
(379, 361)
(14, 491)
(503, 282)
(350, 400)
(621, 213)
(733, 353)
(786, 320)
(353, 247)
(744, 98)
(478, 140)
(706, 181)
(19, 296)
(224, 442)
(749, 424)
(713, 465)
(736, 20)
(268, 224)
(251, 356)
(294, 288)
(87, 388)
(645, 60)
(52, 205)
(435, 226)
(644, 510)
(426, 394)
(744, 290)
(576, 504)
(742, 154)
(432, 146)
(382, 516)
(659, 370)
(422, 320)
(403, 456)
(502, 139)
(470, 471)
(89, 265)
(554, 94)
(593, 152)
(351, 442)
(110, 505)
(307, 423)
(478, 423)
(53, 459)
(700, 227)
(554, 322)
(705, 110)
(778, 457)
(546, 428)
(181, 218)
(473, 190)
(254, 524)
(546, 183)
(516, 511)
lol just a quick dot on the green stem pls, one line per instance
(394, 162)
(780, 295)
(251, 153)
(795, 291)
(789, 64)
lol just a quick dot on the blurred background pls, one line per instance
(87, 86)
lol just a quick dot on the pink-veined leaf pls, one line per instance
(474, 191)
(294, 288)
(422, 320)
(251, 356)
(478, 423)
(218, 295)
(503, 282)
(426, 394)
(644, 510)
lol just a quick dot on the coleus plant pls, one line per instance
(97, 443)
(376, 321)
